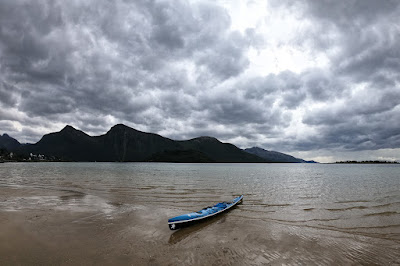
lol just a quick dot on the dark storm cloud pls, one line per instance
(360, 133)
(361, 37)
(233, 110)
(322, 86)
(199, 31)
(366, 36)
(358, 106)
(291, 89)
(227, 59)
(8, 96)
(7, 126)
(31, 48)
(179, 69)
(360, 89)
(141, 62)
(345, 14)
(359, 123)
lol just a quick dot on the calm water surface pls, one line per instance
(350, 200)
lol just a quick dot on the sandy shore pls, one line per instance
(55, 227)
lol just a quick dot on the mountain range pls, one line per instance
(124, 144)
(274, 156)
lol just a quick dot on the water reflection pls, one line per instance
(334, 214)
(74, 196)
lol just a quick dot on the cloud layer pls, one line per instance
(310, 76)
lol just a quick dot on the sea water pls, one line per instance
(356, 203)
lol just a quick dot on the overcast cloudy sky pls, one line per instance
(315, 79)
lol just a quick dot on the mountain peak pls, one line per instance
(6, 136)
(70, 131)
(68, 128)
(121, 127)
(206, 138)
(256, 149)
(8, 142)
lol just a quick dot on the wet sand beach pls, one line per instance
(65, 223)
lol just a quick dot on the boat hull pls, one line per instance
(208, 212)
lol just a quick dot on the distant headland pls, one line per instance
(368, 162)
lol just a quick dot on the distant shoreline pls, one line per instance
(60, 161)
(367, 162)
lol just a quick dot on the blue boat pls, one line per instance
(176, 222)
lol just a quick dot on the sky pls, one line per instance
(315, 79)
